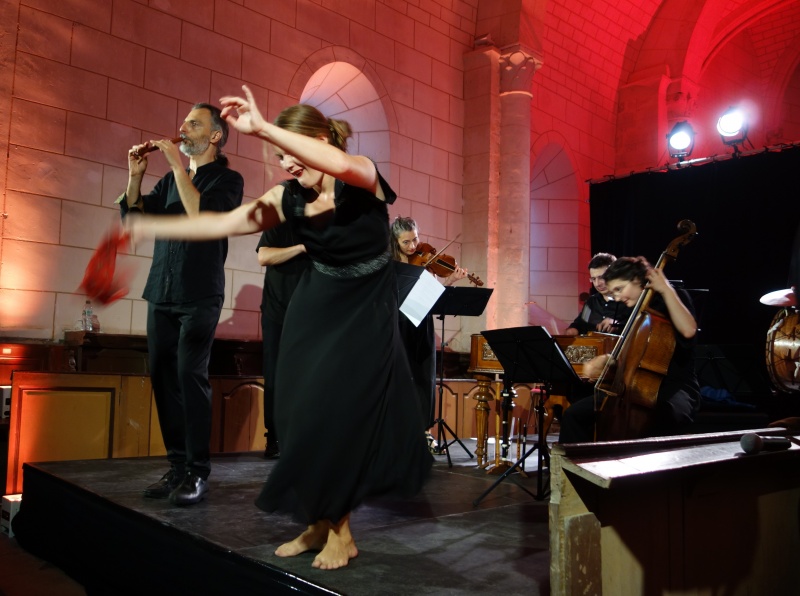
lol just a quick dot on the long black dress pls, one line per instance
(420, 344)
(347, 410)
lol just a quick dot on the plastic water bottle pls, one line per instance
(86, 317)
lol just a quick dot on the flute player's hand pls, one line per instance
(171, 152)
(137, 162)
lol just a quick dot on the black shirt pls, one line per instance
(280, 280)
(185, 271)
(598, 308)
(681, 371)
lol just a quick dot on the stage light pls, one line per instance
(732, 127)
(680, 140)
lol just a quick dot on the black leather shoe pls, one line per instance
(162, 488)
(192, 490)
(273, 451)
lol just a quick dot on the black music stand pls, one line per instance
(530, 355)
(457, 301)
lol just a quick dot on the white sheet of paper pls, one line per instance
(421, 298)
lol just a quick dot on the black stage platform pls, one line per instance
(89, 518)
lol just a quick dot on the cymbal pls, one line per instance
(779, 298)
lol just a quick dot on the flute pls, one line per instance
(144, 150)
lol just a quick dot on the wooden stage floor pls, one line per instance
(89, 518)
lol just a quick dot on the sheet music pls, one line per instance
(421, 298)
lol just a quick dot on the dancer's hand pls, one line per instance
(242, 113)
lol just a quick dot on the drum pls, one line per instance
(783, 351)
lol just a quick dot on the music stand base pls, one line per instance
(442, 444)
(540, 495)
(499, 468)
(543, 456)
(439, 423)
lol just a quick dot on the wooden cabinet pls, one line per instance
(119, 353)
(73, 416)
(31, 356)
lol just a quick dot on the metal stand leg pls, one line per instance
(441, 425)
(543, 456)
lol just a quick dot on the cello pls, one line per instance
(626, 392)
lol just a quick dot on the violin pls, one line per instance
(438, 264)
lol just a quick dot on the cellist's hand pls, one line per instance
(658, 281)
(682, 319)
(595, 366)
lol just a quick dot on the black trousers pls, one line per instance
(271, 336)
(179, 339)
(673, 412)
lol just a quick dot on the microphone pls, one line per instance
(752, 443)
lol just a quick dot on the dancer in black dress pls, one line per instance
(351, 429)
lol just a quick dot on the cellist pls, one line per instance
(679, 392)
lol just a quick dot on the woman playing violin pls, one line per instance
(406, 245)
(679, 392)
(419, 341)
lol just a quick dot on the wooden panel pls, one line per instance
(664, 508)
(72, 416)
(155, 443)
(132, 423)
(56, 417)
(459, 407)
(242, 414)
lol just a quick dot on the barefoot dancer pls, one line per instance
(351, 427)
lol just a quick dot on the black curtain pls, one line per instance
(746, 212)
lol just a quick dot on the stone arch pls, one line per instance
(785, 71)
(333, 54)
(544, 144)
(343, 85)
(686, 45)
(560, 233)
(734, 22)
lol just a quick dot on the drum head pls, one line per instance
(783, 351)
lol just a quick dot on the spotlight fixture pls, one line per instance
(680, 140)
(732, 127)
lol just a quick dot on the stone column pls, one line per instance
(512, 241)
(481, 186)
(497, 181)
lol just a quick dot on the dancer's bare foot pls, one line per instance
(312, 539)
(339, 549)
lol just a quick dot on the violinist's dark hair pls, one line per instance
(628, 269)
(400, 225)
(217, 123)
(601, 259)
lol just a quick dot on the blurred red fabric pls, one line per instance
(100, 282)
